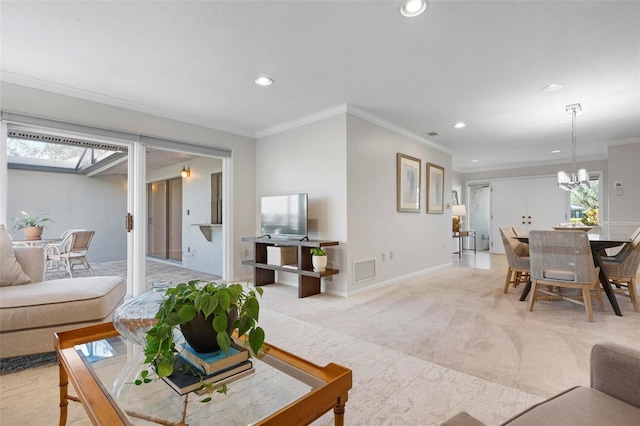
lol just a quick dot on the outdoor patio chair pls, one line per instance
(518, 258)
(70, 252)
(563, 259)
(623, 272)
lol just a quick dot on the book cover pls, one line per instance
(190, 378)
(212, 362)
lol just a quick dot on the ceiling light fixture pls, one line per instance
(264, 81)
(580, 177)
(552, 87)
(459, 125)
(474, 161)
(411, 8)
(556, 151)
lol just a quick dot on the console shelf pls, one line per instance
(308, 279)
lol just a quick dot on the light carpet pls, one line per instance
(421, 349)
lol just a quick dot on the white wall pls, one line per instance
(59, 107)
(623, 211)
(73, 201)
(197, 253)
(312, 159)
(418, 241)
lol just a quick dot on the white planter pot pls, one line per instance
(319, 263)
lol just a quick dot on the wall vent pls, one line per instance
(364, 270)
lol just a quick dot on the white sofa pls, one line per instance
(31, 309)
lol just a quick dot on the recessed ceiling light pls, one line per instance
(552, 87)
(474, 161)
(459, 125)
(411, 8)
(263, 81)
(556, 151)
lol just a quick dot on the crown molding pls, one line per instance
(61, 89)
(353, 110)
(307, 119)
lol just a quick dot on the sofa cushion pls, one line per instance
(10, 270)
(579, 406)
(63, 301)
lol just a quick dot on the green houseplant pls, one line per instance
(28, 221)
(225, 307)
(32, 225)
(319, 259)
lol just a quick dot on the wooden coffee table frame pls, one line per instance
(103, 410)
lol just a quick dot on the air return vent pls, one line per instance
(364, 270)
(23, 134)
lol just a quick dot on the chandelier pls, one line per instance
(568, 181)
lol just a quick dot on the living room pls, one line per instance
(343, 152)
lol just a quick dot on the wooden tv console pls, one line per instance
(308, 279)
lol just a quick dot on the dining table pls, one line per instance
(35, 243)
(599, 243)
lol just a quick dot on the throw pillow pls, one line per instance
(522, 250)
(11, 272)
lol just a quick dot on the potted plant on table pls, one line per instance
(216, 310)
(32, 225)
(319, 259)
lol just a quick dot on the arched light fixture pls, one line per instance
(185, 173)
(411, 8)
(580, 177)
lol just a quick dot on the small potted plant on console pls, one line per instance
(319, 259)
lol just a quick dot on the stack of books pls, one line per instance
(193, 370)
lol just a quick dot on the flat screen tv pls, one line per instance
(284, 216)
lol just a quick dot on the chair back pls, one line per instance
(562, 254)
(80, 241)
(516, 254)
(68, 232)
(628, 266)
(518, 230)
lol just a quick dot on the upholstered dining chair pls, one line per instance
(71, 251)
(563, 259)
(517, 257)
(622, 272)
(626, 249)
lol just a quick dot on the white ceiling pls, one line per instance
(481, 62)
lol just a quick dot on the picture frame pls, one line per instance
(408, 183)
(435, 188)
(454, 197)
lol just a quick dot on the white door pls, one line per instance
(532, 203)
(508, 208)
(546, 204)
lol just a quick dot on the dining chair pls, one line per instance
(517, 258)
(71, 251)
(625, 250)
(518, 231)
(623, 272)
(562, 259)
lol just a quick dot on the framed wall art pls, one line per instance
(435, 188)
(408, 183)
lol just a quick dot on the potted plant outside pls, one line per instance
(32, 225)
(225, 308)
(319, 259)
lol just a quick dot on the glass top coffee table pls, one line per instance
(283, 389)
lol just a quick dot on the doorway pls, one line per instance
(164, 237)
(479, 214)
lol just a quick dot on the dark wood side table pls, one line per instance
(460, 236)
